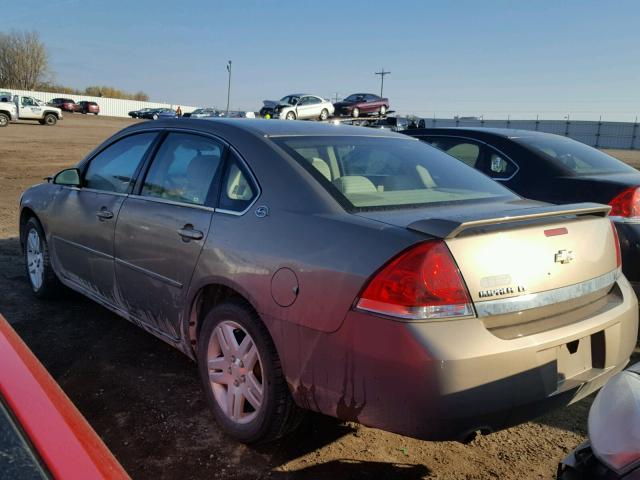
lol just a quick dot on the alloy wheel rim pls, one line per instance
(3, 120)
(235, 372)
(35, 259)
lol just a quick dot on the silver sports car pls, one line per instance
(355, 272)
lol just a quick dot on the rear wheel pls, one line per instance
(4, 119)
(242, 375)
(355, 113)
(49, 119)
(42, 278)
(383, 110)
(324, 114)
(155, 116)
(290, 116)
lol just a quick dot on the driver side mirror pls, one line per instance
(69, 177)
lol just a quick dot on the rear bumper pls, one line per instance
(443, 380)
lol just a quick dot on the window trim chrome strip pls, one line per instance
(543, 299)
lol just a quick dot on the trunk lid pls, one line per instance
(518, 248)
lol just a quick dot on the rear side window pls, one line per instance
(464, 150)
(498, 166)
(113, 168)
(183, 169)
(386, 172)
(238, 188)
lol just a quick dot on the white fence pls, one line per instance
(112, 107)
(624, 135)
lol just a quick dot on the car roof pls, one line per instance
(278, 128)
(496, 132)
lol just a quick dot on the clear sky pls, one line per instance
(489, 58)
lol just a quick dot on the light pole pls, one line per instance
(228, 86)
(382, 74)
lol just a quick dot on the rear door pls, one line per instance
(83, 220)
(162, 228)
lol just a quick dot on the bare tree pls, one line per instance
(23, 60)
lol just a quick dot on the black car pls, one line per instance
(551, 168)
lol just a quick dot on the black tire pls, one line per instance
(278, 414)
(50, 119)
(290, 116)
(4, 120)
(324, 114)
(355, 113)
(50, 287)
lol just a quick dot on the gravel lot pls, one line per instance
(144, 398)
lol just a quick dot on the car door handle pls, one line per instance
(188, 233)
(104, 214)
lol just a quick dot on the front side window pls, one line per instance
(238, 188)
(28, 102)
(386, 172)
(113, 168)
(183, 169)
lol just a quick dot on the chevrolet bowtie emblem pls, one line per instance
(564, 256)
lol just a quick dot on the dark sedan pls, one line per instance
(362, 104)
(156, 113)
(139, 113)
(355, 272)
(552, 168)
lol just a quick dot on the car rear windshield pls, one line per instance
(383, 172)
(574, 157)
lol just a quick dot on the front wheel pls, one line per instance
(4, 119)
(42, 278)
(50, 119)
(324, 114)
(290, 116)
(155, 116)
(242, 375)
(355, 113)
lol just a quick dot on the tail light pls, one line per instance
(616, 241)
(422, 283)
(626, 203)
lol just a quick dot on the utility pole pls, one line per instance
(382, 73)
(228, 86)
(335, 97)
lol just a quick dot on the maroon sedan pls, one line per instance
(64, 104)
(88, 107)
(362, 103)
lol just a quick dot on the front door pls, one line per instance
(162, 229)
(83, 219)
(29, 109)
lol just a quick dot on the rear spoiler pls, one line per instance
(454, 226)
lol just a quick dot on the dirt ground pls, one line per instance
(144, 398)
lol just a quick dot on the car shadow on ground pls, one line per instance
(145, 400)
